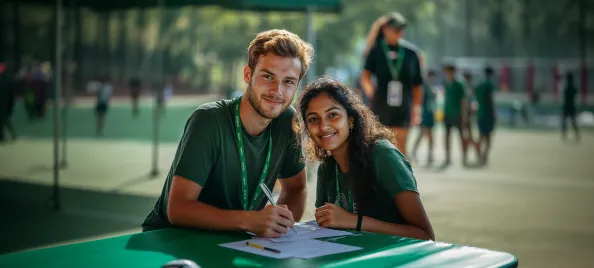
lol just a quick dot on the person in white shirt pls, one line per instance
(103, 95)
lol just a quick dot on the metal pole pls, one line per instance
(159, 90)
(311, 73)
(582, 30)
(311, 38)
(68, 87)
(56, 108)
(16, 28)
(3, 43)
(583, 53)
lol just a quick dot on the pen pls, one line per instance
(262, 247)
(269, 196)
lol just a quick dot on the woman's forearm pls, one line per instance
(369, 224)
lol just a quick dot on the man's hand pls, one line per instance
(271, 221)
(331, 215)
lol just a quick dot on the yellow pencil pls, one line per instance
(262, 247)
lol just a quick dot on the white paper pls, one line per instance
(303, 249)
(242, 246)
(308, 230)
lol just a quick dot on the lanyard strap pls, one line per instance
(244, 186)
(394, 68)
(350, 195)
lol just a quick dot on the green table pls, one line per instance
(152, 249)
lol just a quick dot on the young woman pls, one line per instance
(364, 181)
(396, 65)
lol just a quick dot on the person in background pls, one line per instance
(36, 89)
(397, 67)
(485, 114)
(569, 107)
(163, 93)
(40, 86)
(469, 89)
(135, 88)
(103, 97)
(7, 101)
(364, 182)
(455, 112)
(427, 117)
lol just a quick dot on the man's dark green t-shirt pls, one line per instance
(484, 97)
(454, 94)
(207, 154)
(391, 174)
(410, 77)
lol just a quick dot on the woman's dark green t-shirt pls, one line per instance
(391, 174)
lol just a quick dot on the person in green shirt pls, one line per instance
(229, 147)
(427, 117)
(364, 181)
(485, 114)
(455, 111)
(569, 109)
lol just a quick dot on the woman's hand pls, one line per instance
(333, 216)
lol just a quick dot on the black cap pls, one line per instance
(396, 20)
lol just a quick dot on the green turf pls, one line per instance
(119, 124)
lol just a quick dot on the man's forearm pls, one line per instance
(295, 201)
(199, 215)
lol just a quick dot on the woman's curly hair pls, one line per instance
(366, 130)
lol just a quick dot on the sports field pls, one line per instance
(533, 200)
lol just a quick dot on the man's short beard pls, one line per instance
(253, 99)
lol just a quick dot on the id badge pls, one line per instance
(395, 93)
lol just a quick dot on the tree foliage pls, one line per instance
(206, 46)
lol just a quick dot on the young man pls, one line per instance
(569, 109)
(486, 114)
(229, 147)
(396, 66)
(455, 111)
(428, 116)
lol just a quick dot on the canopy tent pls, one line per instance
(253, 5)
(309, 6)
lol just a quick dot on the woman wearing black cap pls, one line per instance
(395, 64)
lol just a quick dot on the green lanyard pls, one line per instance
(244, 187)
(394, 69)
(350, 207)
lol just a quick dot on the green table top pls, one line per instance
(152, 249)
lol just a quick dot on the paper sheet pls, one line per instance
(242, 246)
(308, 230)
(303, 249)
